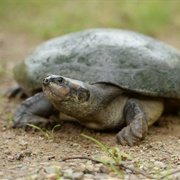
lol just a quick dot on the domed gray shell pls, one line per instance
(130, 60)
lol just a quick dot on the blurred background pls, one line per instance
(44, 19)
(24, 24)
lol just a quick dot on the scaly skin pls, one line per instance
(113, 60)
(98, 106)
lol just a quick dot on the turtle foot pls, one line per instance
(137, 124)
(35, 110)
(28, 122)
(14, 91)
(132, 134)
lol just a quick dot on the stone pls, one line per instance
(49, 170)
(36, 171)
(19, 156)
(68, 173)
(100, 176)
(27, 152)
(77, 176)
(10, 158)
(90, 168)
(158, 163)
(52, 176)
(88, 176)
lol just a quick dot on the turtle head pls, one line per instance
(69, 96)
(62, 89)
(85, 102)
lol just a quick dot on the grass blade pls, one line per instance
(97, 142)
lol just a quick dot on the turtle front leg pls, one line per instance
(138, 114)
(137, 124)
(35, 110)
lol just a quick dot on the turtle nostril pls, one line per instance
(46, 81)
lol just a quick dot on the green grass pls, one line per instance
(45, 19)
(116, 157)
(116, 160)
(49, 134)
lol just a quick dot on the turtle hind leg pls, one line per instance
(14, 91)
(138, 115)
(35, 110)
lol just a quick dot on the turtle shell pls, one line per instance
(127, 59)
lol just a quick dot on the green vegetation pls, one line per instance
(117, 159)
(45, 19)
(49, 134)
(8, 118)
(115, 155)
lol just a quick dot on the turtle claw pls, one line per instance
(122, 139)
(126, 138)
(132, 133)
(35, 110)
(26, 121)
(137, 124)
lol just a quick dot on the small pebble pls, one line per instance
(50, 157)
(68, 150)
(19, 166)
(19, 156)
(34, 177)
(72, 164)
(98, 165)
(10, 158)
(114, 178)
(96, 169)
(68, 173)
(36, 171)
(103, 169)
(49, 170)
(88, 177)
(152, 160)
(100, 176)
(27, 159)
(79, 168)
(128, 171)
(28, 152)
(89, 163)
(90, 168)
(75, 145)
(23, 143)
(131, 177)
(7, 152)
(51, 176)
(156, 168)
(160, 164)
(1, 173)
(77, 175)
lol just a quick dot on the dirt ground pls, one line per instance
(28, 154)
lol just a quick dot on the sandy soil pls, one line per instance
(22, 153)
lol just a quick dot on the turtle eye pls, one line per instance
(83, 95)
(60, 80)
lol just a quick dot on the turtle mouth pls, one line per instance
(55, 89)
(56, 92)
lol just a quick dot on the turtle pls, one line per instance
(103, 78)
